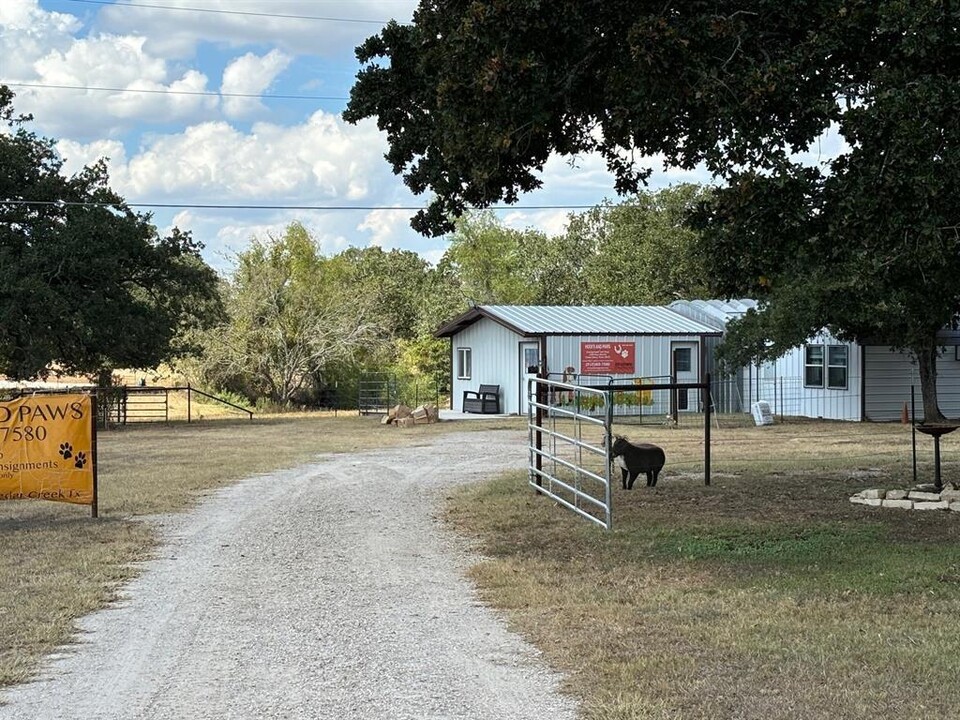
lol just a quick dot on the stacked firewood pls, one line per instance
(403, 416)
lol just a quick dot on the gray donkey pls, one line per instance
(636, 458)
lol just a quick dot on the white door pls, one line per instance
(685, 365)
(529, 366)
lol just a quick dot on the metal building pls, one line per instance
(832, 379)
(505, 344)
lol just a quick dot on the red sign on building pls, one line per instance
(607, 358)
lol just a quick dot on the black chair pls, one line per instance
(485, 400)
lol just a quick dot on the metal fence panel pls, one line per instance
(568, 458)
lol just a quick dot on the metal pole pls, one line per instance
(913, 429)
(937, 482)
(189, 395)
(776, 405)
(540, 395)
(94, 507)
(706, 436)
(781, 400)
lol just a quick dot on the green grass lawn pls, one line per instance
(766, 595)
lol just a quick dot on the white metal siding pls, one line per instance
(889, 376)
(781, 383)
(495, 362)
(653, 356)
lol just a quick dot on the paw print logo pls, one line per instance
(80, 460)
(66, 451)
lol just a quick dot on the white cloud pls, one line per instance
(76, 156)
(27, 33)
(386, 227)
(250, 74)
(549, 222)
(324, 29)
(104, 61)
(320, 160)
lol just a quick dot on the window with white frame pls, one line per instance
(464, 363)
(828, 363)
(837, 360)
(813, 366)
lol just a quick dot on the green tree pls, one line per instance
(476, 96)
(641, 250)
(486, 257)
(85, 282)
(394, 280)
(289, 321)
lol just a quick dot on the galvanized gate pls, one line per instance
(376, 393)
(569, 460)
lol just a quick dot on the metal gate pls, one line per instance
(569, 460)
(376, 393)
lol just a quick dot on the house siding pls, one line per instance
(496, 361)
(781, 383)
(890, 374)
(652, 361)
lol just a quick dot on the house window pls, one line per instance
(813, 366)
(682, 360)
(464, 363)
(837, 367)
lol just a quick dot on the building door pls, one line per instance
(685, 366)
(529, 366)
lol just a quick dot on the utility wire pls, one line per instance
(231, 12)
(209, 93)
(217, 206)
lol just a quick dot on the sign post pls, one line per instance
(48, 449)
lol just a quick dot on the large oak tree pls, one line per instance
(475, 96)
(86, 283)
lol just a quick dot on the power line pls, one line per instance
(231, 12)
(220, 206)
(208, 93)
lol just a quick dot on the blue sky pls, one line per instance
(192, 141)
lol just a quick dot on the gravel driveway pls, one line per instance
(327, 591)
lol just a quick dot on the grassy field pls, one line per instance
(57, 564)
(767, 595)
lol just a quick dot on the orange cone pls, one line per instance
(904, 415)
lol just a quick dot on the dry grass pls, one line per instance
(57, 564)
(767, 595)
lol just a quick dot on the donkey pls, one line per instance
(636, 458)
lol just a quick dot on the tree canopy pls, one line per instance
(85, 282)
(288, 317)
(476, 96)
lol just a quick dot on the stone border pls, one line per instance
(918, 499)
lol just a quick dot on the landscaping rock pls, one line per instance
(874, 502)
(874, 494)
(896, 495)
(939, 505)
(955, 506)
(950, 495)
(924, 496)
(901, 504)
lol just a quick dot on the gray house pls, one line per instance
(832, 379)
(504, 345)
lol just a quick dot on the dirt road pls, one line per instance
(328, 591)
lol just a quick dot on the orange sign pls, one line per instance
(47, 449)
(601, 358)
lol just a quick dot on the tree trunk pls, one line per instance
(927, 365)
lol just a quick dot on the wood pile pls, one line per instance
(403, 416)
